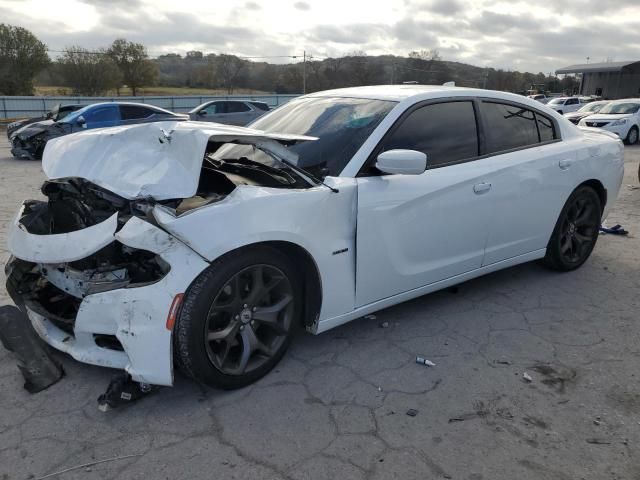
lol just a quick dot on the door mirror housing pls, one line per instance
(202, 113)
(404, 162)
(81, 121)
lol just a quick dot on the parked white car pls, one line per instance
(211, 243)
(566, 104)
(621, 117)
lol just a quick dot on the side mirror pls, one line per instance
(202, 113)
(406, 162)
(81, 121)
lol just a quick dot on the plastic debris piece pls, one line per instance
(424, 361)
(384, 325)
(527, 377)
(615, 230)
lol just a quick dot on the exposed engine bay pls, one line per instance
(56, 290)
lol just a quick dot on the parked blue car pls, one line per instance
(29, 141)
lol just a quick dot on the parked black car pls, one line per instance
(56, 113)
(29, 141)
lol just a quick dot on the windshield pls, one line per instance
(74, 115)
(557, 101)
(341, 124)
(620, 108)
(592, 107)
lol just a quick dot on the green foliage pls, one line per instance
(22, 56)
(134, 64)
(88, 73)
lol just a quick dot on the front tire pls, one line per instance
(238, 317)
(632, 136)
(576, 231)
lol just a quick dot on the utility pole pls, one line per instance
(304, 72)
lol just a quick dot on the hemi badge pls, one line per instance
(340, 251)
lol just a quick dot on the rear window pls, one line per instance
(131, 112)
(236, 107)
(261, 106)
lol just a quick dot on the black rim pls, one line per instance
(579, 229)
(249, 319)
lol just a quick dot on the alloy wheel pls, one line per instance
(249, 319)
(579, 229)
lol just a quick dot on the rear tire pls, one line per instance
(576, 231)
(238, 317)
(632, 136)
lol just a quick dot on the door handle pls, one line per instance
(564, 164)
(481, 188)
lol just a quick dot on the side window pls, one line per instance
(545, 128)
(214, 108)
(508, 126)
(131, 112)
(261, 106)
(236, 107)
(446, 132)
(572, 101)
(102, 114)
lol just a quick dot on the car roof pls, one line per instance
(625, 100)
(408, 94)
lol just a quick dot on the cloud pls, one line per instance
(481, 32)
(252, 6)
(304, 6)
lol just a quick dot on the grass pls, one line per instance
(53, 90)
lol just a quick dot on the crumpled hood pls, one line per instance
(604, 117)
(33, 129)
(161, 160)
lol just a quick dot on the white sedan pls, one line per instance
(564, 105)
(621, 117)
(210, 244)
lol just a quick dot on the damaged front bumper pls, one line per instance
(102, 294)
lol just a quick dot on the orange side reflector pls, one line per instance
(173, 311)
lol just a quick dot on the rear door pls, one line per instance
(414, 230)
(530, 175)
(238, 113)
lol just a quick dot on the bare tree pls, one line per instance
(228, 69)
(88, 73)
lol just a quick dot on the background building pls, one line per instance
(609, 80)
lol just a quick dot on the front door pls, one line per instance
(414, 230)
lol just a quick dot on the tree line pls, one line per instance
(23, 58)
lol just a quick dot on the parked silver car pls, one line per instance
(230, 112)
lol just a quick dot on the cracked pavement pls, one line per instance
(336, 406)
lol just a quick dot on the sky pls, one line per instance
(535, 36)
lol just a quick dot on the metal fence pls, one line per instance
(19, 107)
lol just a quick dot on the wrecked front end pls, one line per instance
(98, 279)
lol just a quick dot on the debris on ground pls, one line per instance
(615, 230)
(370, 317)
(39, 369)
(424, 361)
(598, 441)
(527, 378)
(90, 464)
(122, 390)
(384, 325)
(412, 412)
(503, 362)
